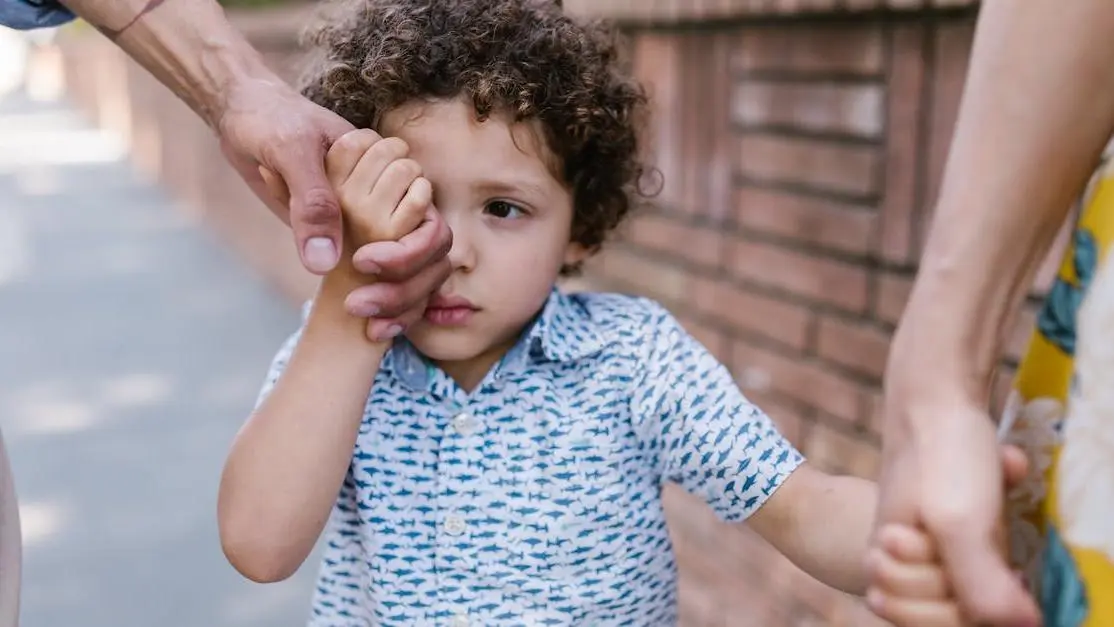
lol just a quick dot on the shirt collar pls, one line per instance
(563, 331)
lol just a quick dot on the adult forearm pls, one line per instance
(287, 464)
(188, 45)
(1032, 124)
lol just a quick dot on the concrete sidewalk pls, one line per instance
(131, 348)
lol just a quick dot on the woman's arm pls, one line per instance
(1036, 112)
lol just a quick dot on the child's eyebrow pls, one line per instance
(514, 185)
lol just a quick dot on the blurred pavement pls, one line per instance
(131, 348)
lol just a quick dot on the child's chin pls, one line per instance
(441, 344)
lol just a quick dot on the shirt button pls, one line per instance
(460, 620)
(465, 424)
(454, 525)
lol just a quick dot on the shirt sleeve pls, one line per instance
(340, 596)
(29, 14)
(708, 437)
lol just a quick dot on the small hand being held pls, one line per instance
(910, 587)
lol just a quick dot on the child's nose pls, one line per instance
(462, 255)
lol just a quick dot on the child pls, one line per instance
(501, 462)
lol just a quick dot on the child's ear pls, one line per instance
(575, 253)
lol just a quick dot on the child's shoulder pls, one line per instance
(618, 314)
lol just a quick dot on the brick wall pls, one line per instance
(800, 158)
(800, 154)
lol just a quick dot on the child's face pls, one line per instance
(511, 222)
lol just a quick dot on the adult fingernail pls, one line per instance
(365, 310)
(321, 254)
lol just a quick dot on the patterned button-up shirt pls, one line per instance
(536, 499)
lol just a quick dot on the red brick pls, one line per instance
(710, 337)
(906, 87)
(825, 223)
(826, 280)
(816, 107)
(815, 163)
(657, 66)
(807, 382)
(836, 49)
(875, 413)
(856, 345)
(750, 312)
(838, 452)
(656, 279)
(787, 416)
(893, 292)
(686, 242)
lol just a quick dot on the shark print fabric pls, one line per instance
(536, 499)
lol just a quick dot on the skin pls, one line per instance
(512, 221)
(265, 127)
(909, 587)
(1032, 123)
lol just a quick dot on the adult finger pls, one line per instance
(987, 590)
(389, 300)
(914, 612)
(398, 261)
(379, 330)
(314, 209)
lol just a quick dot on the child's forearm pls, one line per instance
(287, 464)
(823, 524)
(834, 529)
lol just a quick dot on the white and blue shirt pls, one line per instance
(536, 499)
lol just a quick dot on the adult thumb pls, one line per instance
(315, 215)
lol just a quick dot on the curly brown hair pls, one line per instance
(525, 57)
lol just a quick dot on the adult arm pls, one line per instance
(1032, 124)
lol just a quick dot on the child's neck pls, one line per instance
(469, 373)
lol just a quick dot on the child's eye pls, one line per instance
(504, 209)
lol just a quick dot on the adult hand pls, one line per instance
(948, 479)
(406, 271)
(265, 123)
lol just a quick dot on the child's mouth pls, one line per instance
(449, 310)
(449, 316)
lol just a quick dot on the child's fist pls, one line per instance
(909, 587)
(381, 191)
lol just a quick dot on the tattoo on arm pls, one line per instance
(114, 33)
